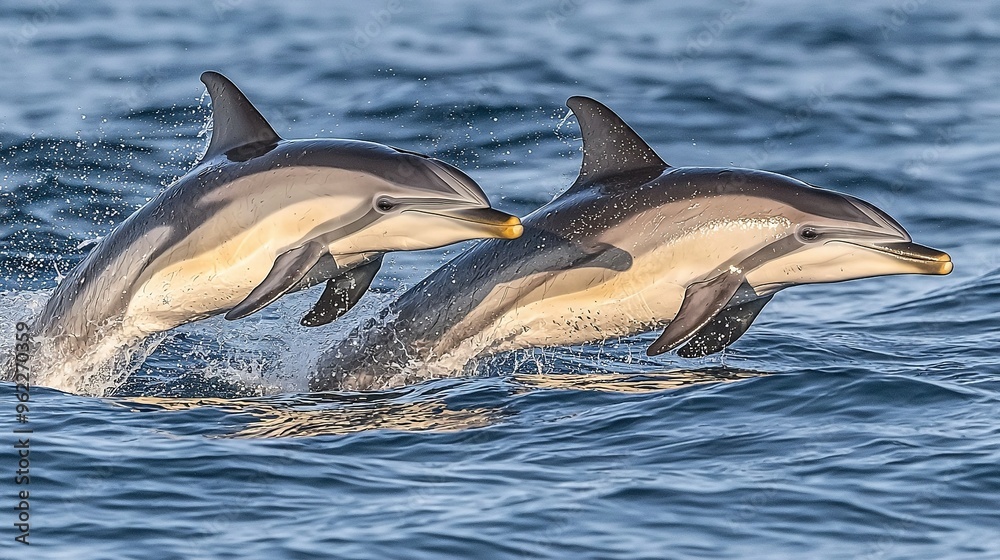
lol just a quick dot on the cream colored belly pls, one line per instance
(585, 317)
(196, 288)
(572, 307)
(214, 269)
(586, 305)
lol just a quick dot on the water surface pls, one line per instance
(852, 421)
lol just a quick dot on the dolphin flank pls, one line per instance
(256, 218)
(632, 246)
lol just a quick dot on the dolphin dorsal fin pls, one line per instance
(235, 121)
(610, 146)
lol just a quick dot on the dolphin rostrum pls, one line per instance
(633, 245)
(256, 218)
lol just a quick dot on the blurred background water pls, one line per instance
(852, 421)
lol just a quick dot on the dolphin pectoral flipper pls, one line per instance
(342, 293)
(702, 302)
(288, 270)
(724, 329)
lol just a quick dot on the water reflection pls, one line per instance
(426, 407)
(632, 382)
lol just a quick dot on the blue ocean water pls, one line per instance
(853, 421)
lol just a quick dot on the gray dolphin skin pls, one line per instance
(256, 218)
(632, 246)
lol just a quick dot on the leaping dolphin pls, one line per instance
(633, 245)
(256, 218)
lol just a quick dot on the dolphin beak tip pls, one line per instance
(489, 223)
(928, 260)
(938, 263)
(945, 266)
(512, 228)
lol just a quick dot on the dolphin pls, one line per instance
(632, 246)
(259, 217)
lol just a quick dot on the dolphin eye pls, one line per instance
(809, 234)
(384, 204)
